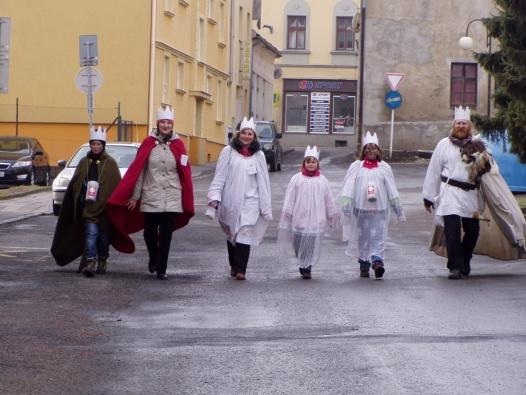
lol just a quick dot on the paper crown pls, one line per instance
(97, 134)
(312, 152)
(247, 124)
(165, 113)
(370, 139)
(462, 114)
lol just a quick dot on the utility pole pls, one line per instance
(359, 136)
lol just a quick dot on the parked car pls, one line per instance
(23, 161)
(269, 139)
(123, 153)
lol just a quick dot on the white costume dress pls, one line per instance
(364, 221)
(308, 210)
(241, 186)
(447, 199)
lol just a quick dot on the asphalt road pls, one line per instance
(200, 332)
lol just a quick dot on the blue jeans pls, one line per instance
(97, 241)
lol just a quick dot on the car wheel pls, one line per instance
(273, 163)
(56, 209)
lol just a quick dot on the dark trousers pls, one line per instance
(460, 249)
(238, 256)
(158, 236)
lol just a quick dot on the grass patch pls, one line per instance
(20, 190)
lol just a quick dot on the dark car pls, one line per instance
(23, 161)
(269, 139)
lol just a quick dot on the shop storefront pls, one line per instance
(319, 106)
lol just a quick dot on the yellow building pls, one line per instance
(175, 52)
(315, 93)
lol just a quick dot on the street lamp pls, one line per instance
(466, 43)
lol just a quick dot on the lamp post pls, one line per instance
(466, 42)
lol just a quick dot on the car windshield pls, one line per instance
(264, 131)
(123, 154)
(15, 146)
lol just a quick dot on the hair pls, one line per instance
(101, 141)
(379, 156)
(237, 145)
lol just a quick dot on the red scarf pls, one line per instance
(370, 164)
(307, 173)
(125, 222)
(245, 151)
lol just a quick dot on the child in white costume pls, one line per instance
(308, 210)
(369, 192)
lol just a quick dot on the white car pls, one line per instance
(123, 153)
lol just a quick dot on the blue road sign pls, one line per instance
(393, 99)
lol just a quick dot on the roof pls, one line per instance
(258, 38)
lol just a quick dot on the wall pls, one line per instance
(420, 39)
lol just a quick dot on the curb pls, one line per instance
(20, 194)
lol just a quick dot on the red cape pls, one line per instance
(126, 222)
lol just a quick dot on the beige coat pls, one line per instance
(158, 186)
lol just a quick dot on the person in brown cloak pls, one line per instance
(82, 226)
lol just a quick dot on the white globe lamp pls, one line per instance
(465, 42)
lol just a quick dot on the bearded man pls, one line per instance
(456, 201)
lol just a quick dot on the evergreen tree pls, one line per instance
(508, 66)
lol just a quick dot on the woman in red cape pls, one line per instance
(156, 194)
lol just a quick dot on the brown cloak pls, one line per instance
(68, 242)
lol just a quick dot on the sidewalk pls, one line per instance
(40, 203)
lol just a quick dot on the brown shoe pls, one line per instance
(233, 273)
(102, 266)
(82, 264)
(240, 276)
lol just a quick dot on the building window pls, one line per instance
(240, 26)
(208, 82)
(201, 40)
(219, 100)
(5, 31)
(296, 109)
(222, 22)
(463, 84)
(344, 33)
(168, 7)
(211, 10)
(296, 31)
(180, 76)
(166, 80)
(343, 113)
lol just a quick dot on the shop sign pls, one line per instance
(305, 85)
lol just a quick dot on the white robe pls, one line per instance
(308, 209)
(447, 199)
(241, 186)
(365, 222)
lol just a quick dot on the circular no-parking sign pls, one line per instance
(83, 80)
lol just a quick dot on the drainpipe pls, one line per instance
(151, 82)
(359, 136)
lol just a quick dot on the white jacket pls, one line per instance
(447, 199)
(242, 187)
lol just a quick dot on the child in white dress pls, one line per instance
(369, 194)
(308, 210)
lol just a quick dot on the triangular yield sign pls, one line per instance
(394, 79)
